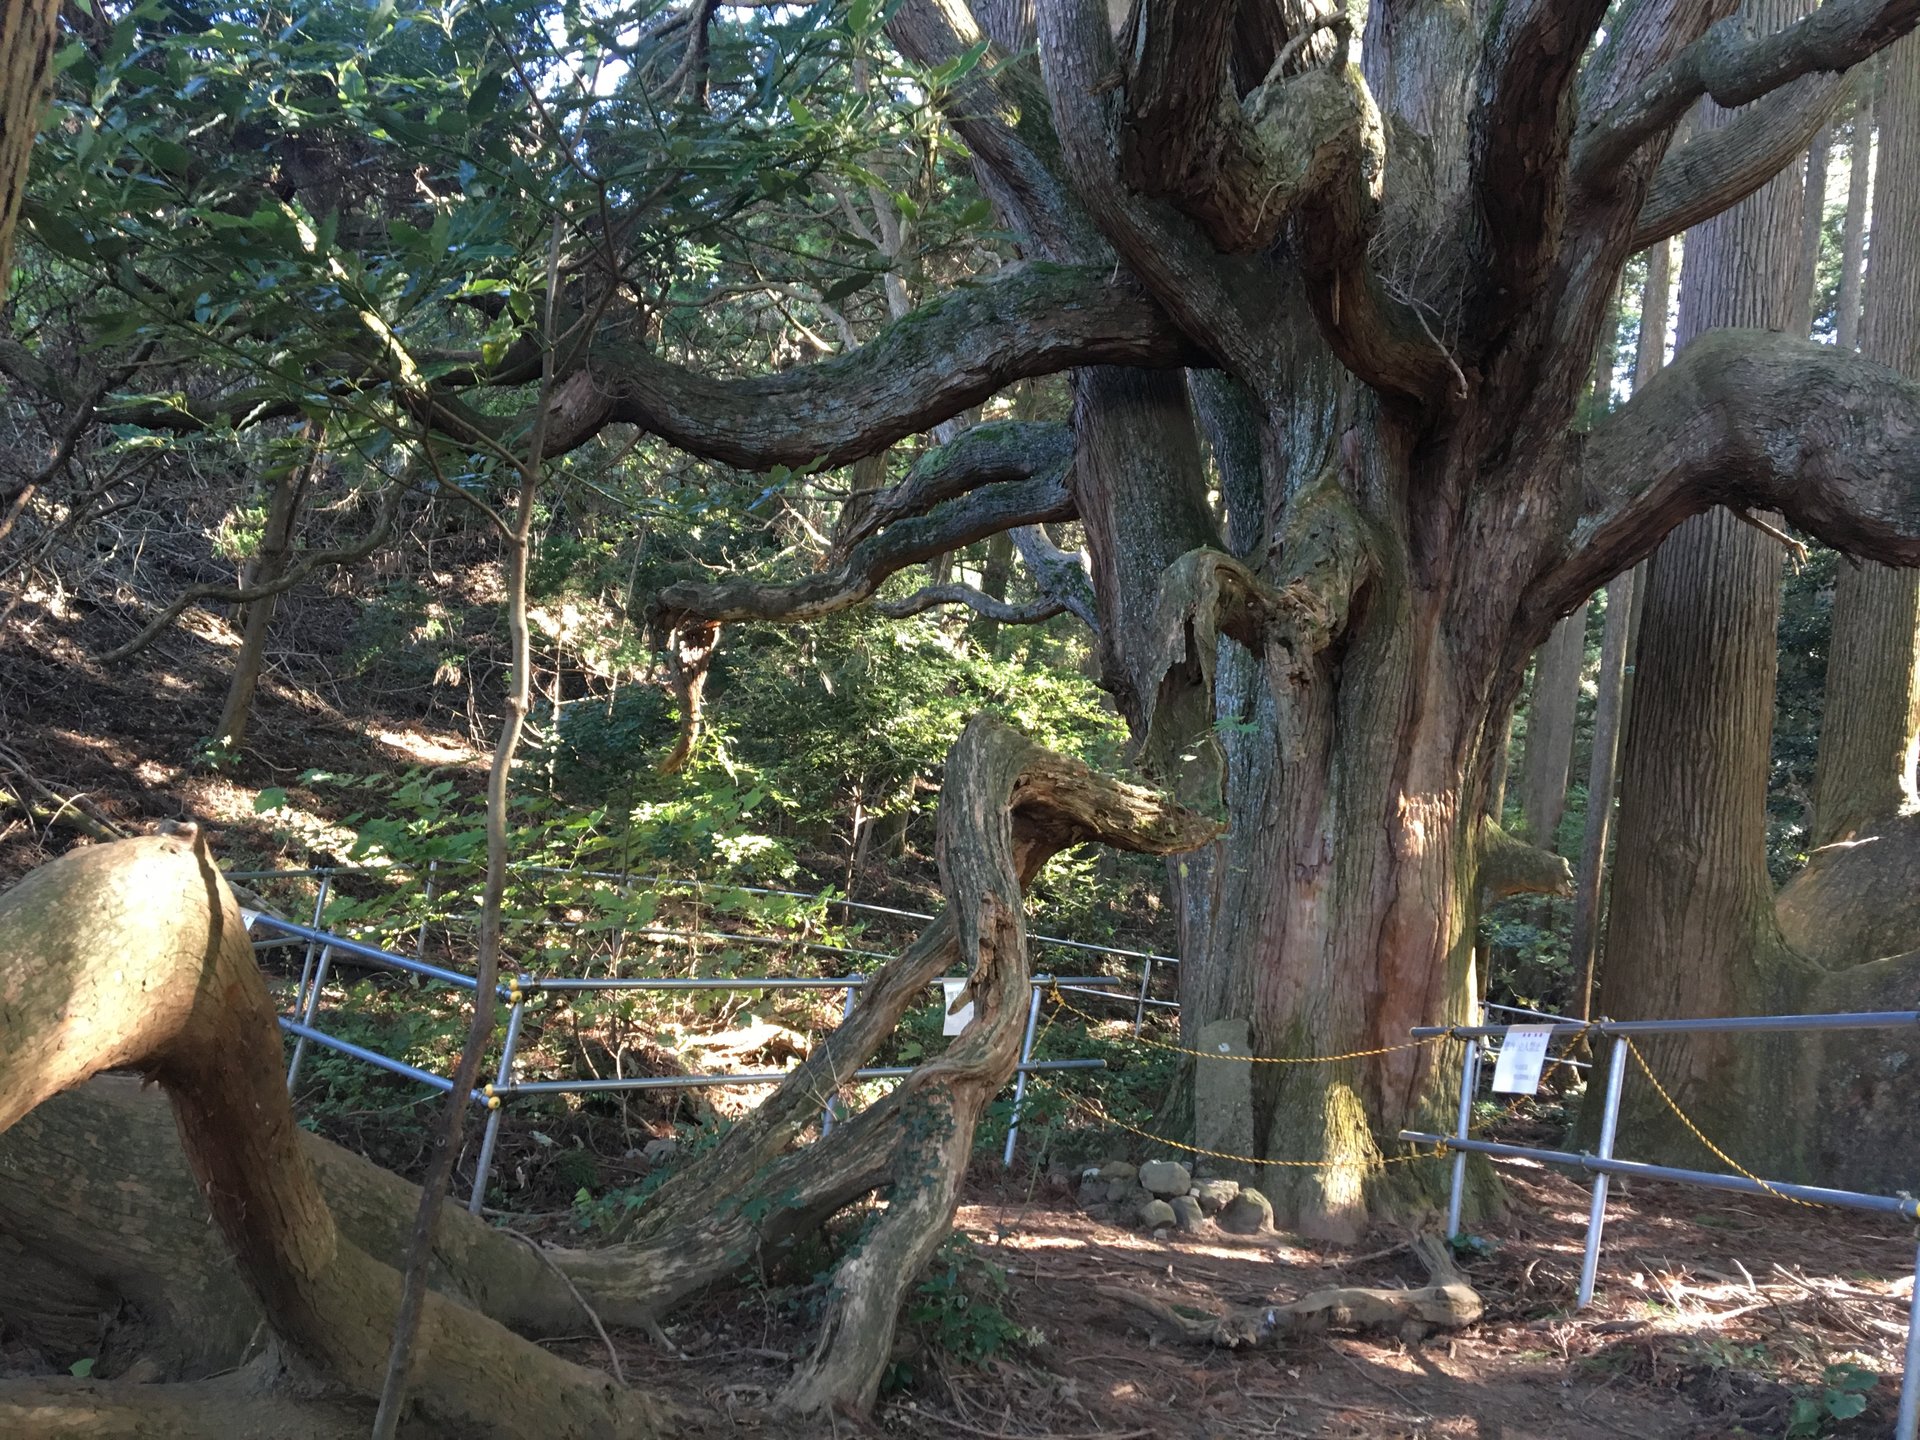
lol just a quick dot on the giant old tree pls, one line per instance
(1381, 250)
(1327, 287)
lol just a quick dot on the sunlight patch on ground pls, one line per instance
(427, 749)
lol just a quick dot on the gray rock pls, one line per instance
(659, 1152)
(1214, 1195)
(1118, 1170)
(1186, 1213)
(1093, 1191)
(1121, 1191)
(1156, 1215)
(1248, 1213)
(1166, 1178)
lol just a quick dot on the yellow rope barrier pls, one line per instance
(1099, 1113)
(1700, 1135)
(1073, 1009)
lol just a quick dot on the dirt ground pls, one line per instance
(1710, 1317)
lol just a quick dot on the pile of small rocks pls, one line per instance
(1163, 1195)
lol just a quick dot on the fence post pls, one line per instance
(306, 962)
(306, 1015)
(826, 1116)
(1597, 1215)
(426, 911)
(1469, 1083)
(502, 1077)
(1140, 1003)
(1908, 1425)
(1020, 1076)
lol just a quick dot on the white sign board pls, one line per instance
(953, 1023)
(1523, 1054)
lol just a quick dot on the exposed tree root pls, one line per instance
(1449, 1303)
(132, 955)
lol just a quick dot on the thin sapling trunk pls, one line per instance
(433, 1190)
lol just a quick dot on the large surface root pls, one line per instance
(132, 955)
(1448, 1303)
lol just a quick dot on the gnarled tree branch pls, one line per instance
(980, 455)
(958, 522)
(1238, 168)
(1750, 419)
(1004, 800)
(1060, 575)
(1736, 69)
(1006, 612)
(1029, 320)
(1520, 134)
(1719, 168)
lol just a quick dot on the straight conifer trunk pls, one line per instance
(1692, 929)
(1870, 727)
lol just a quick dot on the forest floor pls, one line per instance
(1710, 1319)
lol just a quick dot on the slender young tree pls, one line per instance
(1853, 244)
(287, 491)
(1610, 685)
(1551, 710)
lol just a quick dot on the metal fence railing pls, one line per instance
(1603, 1165)
(1143, 998)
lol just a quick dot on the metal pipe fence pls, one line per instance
(1144, 1001)
(524, 986)
(1603, 1165)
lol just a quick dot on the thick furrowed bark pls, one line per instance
(133, 954)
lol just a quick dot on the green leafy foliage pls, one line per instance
(1841, 1396)
(957, 1308)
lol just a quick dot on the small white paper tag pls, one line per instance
(247, 917)
(952, 1023)
(1523, 1054)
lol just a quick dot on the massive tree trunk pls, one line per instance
(1400, 248)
